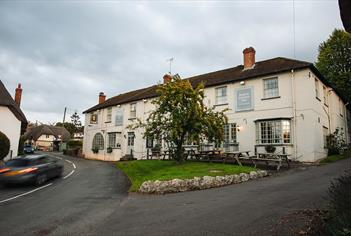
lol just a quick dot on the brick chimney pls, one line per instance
(18, 95)
(102, 97)
(249, 58)
(167, 78)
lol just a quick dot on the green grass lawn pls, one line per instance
(334, 158)
(143, 170)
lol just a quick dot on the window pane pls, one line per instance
(271, 88)
(221, 95)
(273, 131)
(98, 141)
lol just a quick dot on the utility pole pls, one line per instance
(170, 64)
(64, 115)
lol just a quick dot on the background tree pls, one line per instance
(334, 61)
(180, 115)
(4, 146)
(75, 120)
(74, 126)
(69, 127)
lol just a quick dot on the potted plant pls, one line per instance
(270, 148)
(95, 150)
(109, 150)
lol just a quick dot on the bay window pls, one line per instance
(273, 131)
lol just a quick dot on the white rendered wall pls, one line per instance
(307, 143)
(11, 127)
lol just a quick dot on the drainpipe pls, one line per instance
(294, 112)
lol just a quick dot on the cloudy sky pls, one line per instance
(64, 53)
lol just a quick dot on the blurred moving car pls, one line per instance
(34, 169)
(28, 148)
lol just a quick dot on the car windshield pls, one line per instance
(17, 163)
(27, 145)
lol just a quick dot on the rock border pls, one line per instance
(197, 183)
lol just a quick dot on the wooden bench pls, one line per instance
(237, 156)
(272, 157)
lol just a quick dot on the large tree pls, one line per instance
(180, 115)
(334, 61)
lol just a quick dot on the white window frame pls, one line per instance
(316, 85)
(325, 95)
(275, 131)
(133, 110)
(98, 141)
(112, 136)
(267, 92)
(221, 95)
(109, 115)
(119, 117)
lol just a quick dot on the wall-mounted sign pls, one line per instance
(244, 99)
(93, 118)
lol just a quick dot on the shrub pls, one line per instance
(4, 145)
(21, 146)
(339, 219)
(74, 143)
(270, 148)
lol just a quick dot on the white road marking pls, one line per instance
(68, 175)
(47, 185)
(26, 193)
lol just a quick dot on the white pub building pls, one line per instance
(282, 102)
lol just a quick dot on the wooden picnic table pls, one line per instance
(209, 154)
(273, 157)
(237, 155)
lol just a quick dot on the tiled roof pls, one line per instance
(7, 100)
(262, 68)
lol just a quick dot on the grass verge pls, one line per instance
(144, 170)
(334, 158)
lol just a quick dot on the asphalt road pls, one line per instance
(94, 201)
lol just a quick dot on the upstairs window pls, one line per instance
(109, 114)
(271, 88)
(316, 87)
(221, 95)
(325, 95)
(119, 117)
(98, 141)
(132, 110)
(273, 132)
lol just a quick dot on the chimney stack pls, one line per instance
(102, 97)
(18, 95)
(167, 78)
(249, 58)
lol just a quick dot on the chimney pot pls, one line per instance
(167, 78)
(249, 57)
(18, 94)
(102, 97)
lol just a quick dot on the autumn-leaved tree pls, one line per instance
(180, 115)
(334, 61)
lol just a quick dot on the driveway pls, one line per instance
(93, 201)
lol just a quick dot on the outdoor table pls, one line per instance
(209, 154)
(237, 155)
(275, 157)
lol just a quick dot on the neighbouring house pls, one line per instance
(47, 137)
(13, 122)
(282, 102)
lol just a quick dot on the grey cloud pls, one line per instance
(65, 53)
